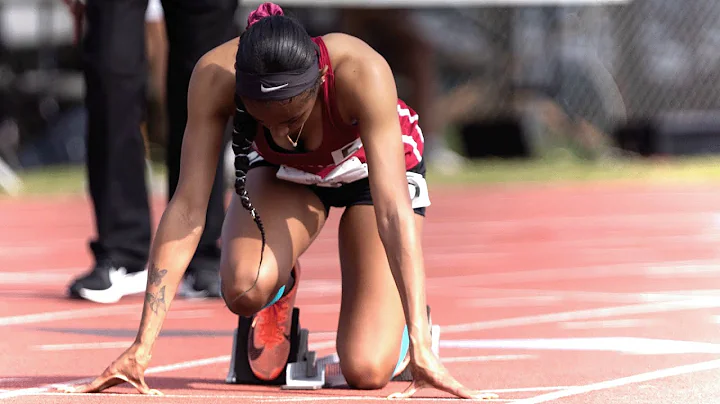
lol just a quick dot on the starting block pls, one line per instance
(304, 371)
(312, 374)
(240, 372)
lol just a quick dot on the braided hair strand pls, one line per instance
(244, 132)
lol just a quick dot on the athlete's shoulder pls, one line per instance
(351, 56)
(213, 78)
(362, 75)
(355, 63)
(343, 48)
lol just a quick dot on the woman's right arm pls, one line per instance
(181, 225)
(183, 221)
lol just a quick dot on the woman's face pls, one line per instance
(283, 118)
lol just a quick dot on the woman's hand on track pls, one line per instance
(427, 371)
(129, 367)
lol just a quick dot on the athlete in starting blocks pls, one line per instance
(317, 124)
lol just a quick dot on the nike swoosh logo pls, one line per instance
(253, 351)
(271, 89)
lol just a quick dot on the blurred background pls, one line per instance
(595, 83)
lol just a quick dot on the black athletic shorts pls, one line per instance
(353, 193)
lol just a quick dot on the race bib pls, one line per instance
(342, 154)
(353, 170)
(349, 171)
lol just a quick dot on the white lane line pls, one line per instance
(624, 345)
(469, 292)
(14, 278)
(608, 384)
(486, 358)
(658, 269)
(188, 364)
(511, 301)
(283, 398)
(528, 389)
(187, 314)
(125, 344)
(69, 314)
(158, 369)
(297, 399)
(321, 287)
(659, 307)
(323, 334)
(272, 397)
(607, 324)
(84, 346)
(316, 346)
(182, 310)
(558, 317)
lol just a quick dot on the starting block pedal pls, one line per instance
(312, 374)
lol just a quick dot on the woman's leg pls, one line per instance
(371, 315)
(292, 216)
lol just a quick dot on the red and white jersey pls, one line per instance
(341, 157)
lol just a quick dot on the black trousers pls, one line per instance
(115, 70)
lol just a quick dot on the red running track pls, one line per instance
(583, 294)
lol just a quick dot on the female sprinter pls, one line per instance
(328, 130)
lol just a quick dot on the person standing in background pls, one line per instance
(115, 68)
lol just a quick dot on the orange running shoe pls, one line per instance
(269, 339)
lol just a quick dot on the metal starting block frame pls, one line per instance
(312, 374)
(303, 371)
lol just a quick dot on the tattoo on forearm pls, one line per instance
(156, 301)
(155, 275)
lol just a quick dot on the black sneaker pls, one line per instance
(107, 283)
(201, 284)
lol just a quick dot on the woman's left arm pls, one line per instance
(370, 96)
(374, 105)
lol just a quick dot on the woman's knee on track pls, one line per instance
(366, 372)
(244, 290)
